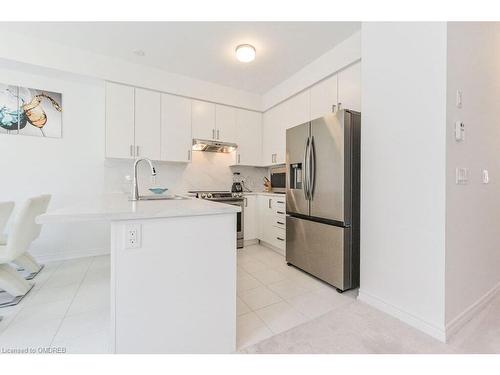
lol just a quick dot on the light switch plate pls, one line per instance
(133, 236)
(459, 99)
(462, 176)
(486, 176)
(459, 131)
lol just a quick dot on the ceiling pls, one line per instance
(203, 50)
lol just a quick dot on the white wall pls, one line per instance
(403, 178)
(342, 55)
(73, 168)
(73, 60)
(472, 210)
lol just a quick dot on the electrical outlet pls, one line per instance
(133, 236)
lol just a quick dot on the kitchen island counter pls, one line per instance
(173, 272)
(111, 207)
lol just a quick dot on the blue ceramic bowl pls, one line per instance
(158, 190)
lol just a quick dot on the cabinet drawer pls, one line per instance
(279, 238)
(280, 221)
(279, 206)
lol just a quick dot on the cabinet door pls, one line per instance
(147, 124)
(274, 136)
(282, 122)
(265, 219)
(225, 123)
(323, 97)
(296, 110)
(248, 137)
(250, 217)
(176, 140)
(203, 120)
(350, 87)
(119, 121)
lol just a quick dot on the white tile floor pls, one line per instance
(273, 297)
(69, 305)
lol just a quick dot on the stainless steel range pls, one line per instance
(235, 199)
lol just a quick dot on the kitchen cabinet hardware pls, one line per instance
(333, 108)
(269, 203)
(136, 150)
(131, 150)
(246, 202)
(189, 154)
(279, 238)
(282, 202)
(280, 212)
(239, 160)
(280, 223)
(218, 134)
(213, 133)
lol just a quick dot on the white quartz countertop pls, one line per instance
(114, 207)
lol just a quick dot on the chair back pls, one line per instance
(5, 211)
(25, 230)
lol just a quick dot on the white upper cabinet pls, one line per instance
(147, 124)
(248, 137)
(225, 123)
(324, 97)
(350, 87)
(203, 120)
(272, 136)
(176, 140)
(296, 110)
(119, 121)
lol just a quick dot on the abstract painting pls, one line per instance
(29, 111)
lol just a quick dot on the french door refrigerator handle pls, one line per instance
(312, 172)
(304, 170)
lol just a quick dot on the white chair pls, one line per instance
(26, 262)
(21, 235)
(5, 212)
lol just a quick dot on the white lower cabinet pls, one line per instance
(250, 219)
(271, 218)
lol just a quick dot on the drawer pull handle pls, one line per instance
(279, 238)
(279, 222)
(280, 212)
(280, 202)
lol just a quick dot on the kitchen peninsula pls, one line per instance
(173, 272)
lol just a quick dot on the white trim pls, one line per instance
(54, 257)
(464, 317)
(250, 242)
(272, 247)
(408, 318)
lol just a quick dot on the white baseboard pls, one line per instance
(54, 257)
(274, 248)
(458, 322)
(412, 320)
(250, 242)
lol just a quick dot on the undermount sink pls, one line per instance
(161, 197)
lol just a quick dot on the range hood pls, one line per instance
(213, 146)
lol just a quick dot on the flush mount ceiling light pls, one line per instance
(139, 52)
(245, 53)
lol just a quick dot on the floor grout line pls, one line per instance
(72, 300)
(31, 294)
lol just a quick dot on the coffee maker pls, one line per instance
(237, 186)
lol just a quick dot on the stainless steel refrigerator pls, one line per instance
(323, 194)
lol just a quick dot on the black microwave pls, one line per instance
(278, 179)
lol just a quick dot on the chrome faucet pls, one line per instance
(135, 187)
